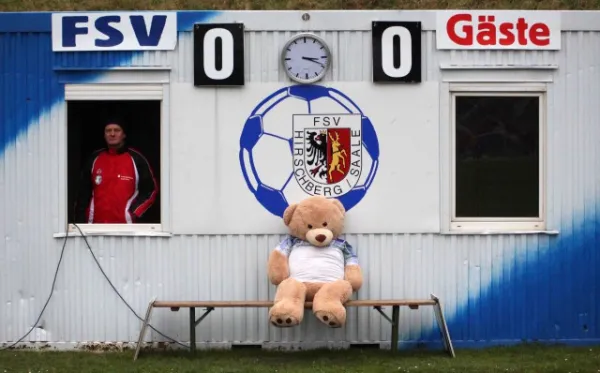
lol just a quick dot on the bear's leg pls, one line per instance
(288, 306)
(328, 304)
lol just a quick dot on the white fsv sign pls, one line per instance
(122, 31)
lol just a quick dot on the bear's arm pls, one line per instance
(278, 268)
(352, 270)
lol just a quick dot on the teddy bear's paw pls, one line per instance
(329, 319)
(284, 321)
(286, 313)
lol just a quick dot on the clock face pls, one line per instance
(306, 58)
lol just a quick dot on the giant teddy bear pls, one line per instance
(313, 264)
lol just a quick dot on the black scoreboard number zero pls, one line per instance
(218, 54)
(396, 51)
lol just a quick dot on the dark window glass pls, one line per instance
(497, 156)
(85, 134)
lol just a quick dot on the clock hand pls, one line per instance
(312, 59)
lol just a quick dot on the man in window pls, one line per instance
(117, 184)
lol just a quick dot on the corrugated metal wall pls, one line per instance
(494, 288)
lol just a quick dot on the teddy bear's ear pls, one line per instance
(288, 213)
(339, 205)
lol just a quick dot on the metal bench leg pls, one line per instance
(143, 330)
(441, 320)
(395, 320)
(192, 329)
(194, 323)
(395, 327)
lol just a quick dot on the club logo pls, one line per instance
(327, 153)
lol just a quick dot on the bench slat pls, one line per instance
(260, 303)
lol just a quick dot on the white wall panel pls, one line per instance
(462, 270)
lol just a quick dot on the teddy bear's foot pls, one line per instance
(330, 319)
(283, 321)
(285, 314)
(288, 307)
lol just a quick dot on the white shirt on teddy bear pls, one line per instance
(309, 263)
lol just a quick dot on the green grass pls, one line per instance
(525, 358)
(37, 5)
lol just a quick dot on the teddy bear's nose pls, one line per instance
(320, 237)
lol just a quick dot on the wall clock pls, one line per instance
(306, 58)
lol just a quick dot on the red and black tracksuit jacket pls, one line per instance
(117, 187)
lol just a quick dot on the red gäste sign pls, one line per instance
(498, 30)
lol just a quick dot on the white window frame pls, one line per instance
(508, 225)
(113, 86)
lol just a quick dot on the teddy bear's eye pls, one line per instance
(309, 226)
(325, 224)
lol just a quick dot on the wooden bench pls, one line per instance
(376, 304)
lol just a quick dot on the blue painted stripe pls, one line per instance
(30, 86)
(42, 21)
(547, 293)
(186, 19)
(26, 22)
(476, 345)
